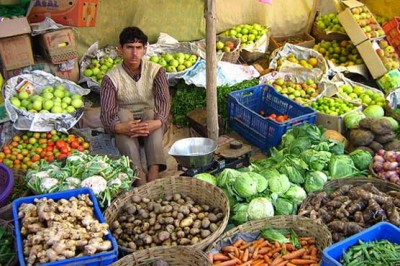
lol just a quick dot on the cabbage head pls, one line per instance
(227, 177)
(231, 198)
(342, 166)
(296, 194)
(316, 160)
(315, 181)
(352, 119)
(260, 208)
(262, 183)
(284, 207)
(361, 159)
(207, 177)
(279, 184)
(240, 215)
(245, 185)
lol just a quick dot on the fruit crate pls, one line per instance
(380, 231)
(392, 31)
(97, 259)
(244, 108)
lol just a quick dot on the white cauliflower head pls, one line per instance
(96, 183)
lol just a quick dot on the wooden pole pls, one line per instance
(211, 71)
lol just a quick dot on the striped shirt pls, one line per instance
(109, 104)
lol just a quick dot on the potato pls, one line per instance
(205, 223)
(205, 233)
(163, 235)
(186, 222)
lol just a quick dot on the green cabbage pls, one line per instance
(352, 119)
(315, 181)
(361, 159)
(374, 111)
(342, 166)
(294, 168)
(284, 207)
(240, 215)
(392, 121)
(296, 194)
(279, 184)
(260, 208)
(262, 183)
(207, 177)
(231, 198)
(245, 185)
(227, 177)
(316, 160)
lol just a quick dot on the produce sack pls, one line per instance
(357, 92)
(281, 63)
(301, 88)
(41, 122)
(167, 44)
(87, 61)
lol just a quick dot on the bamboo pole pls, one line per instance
(211, 71)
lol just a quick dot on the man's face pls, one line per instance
(132, 53)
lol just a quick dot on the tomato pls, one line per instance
(61, 156)
(50, 158)
(35, 158)
(60, 144)
(74, 144)
(14, 144)
(64, 150)
(80, 148)
(43, 154)
(280, 119)
(51, 143)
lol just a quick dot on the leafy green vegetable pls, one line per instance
(374, 111)
(361, 159)
(245, 185)
(231, 197)
(316, 160)
(294, 168)
(262, 183)
(227, 177)
(275, 235)
(300, 138)
(240, 213)
(352, 119)
(260, 208)
(315, 181)
(284, 207)
(342, 166)
(296, 194)
(207, 177)
(279, 184)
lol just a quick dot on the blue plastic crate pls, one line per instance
(244, 108)
(98, 259)
(331, 255)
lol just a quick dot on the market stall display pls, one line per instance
(8, 253)
(41, 223)
(193, 213)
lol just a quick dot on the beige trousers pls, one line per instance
(153, 144)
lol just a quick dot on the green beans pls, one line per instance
(382, 252)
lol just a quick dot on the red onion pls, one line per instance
(390, 156)
(377, 166)
(379, 158)
(381, 152)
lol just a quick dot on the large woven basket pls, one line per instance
(201, 192)
(307, 208)
(174, 256)
(301, 225)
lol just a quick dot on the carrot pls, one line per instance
(228, 249)
(248, 263)
(236, 252)
(290, 264)
(264, 244)
(255, 253)
(283, 263)
(294, 254)
(264, 250)
(302, 261)
(289, 247)
(313, 251)
(257, 263)
(228, 263)
(276, 261)
(303, 243)
(246, 245)
(275, 250)
(277, 245)
(220, 256)
(238, 243)
(309, 257)
(267, 259)
(245, 255)
(210, 257)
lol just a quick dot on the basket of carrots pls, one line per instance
(275, 241)
(177, 255)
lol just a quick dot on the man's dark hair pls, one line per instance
(132, 34)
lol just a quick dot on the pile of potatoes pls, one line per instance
(168, 221)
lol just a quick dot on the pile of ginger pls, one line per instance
(63, 229)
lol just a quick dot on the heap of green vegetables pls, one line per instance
(105, 176)
(7, 252)
(277, 185)
(380, 252)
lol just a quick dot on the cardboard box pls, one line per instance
(77, 13)
(308, 40)
(58, 70)
(59, 46)
(371, 58)
(13, 27)
(16, 52)
(349, 23)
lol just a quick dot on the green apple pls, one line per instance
(23, 95)
(64, 105)
(15, 101)
(77, 103)
(154, 58)
(48, 89)
(47, 105)
(59, 87)
(167, 57)
(67, 93)
(47, 95)
(187, 64)
(57, 109)
(88, 72)
(174, 63)
(193, 59)
(59, 93)
(76, 96)
(104, 68)
(95, 71)
(37, 105)
(67, 100)
(358, 90)
(170, 69)
(25, 102)
(70, 109)
(162, 62)
(180, 68)
(57, 100)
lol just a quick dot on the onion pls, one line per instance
(394, 178)
(398, 157)
(381, 152)
(390, 156)
(377, 166)
(390, 165)
(378, 158)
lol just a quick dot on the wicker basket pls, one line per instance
(307, 207)
(200, 191)
(301, 225)
(174, 256)
(232, 56)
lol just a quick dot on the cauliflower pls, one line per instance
(95, 182)
(38, 175)
(122, 176)
(48, 183)
(73, 181)
(116, 181)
